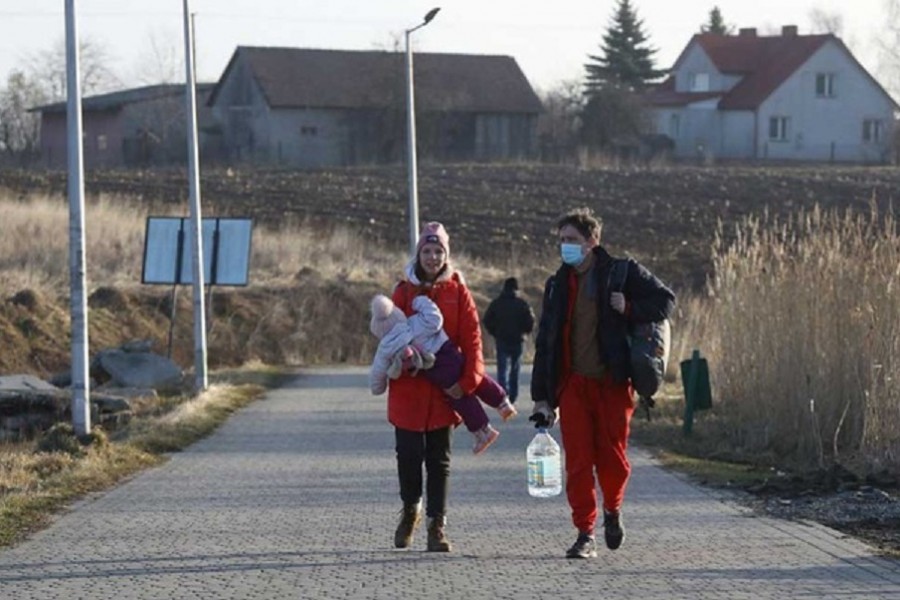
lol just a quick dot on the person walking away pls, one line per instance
(581, 372)
(509, 319)
(423, 420)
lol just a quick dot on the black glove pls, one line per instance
(543, 415)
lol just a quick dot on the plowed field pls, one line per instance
(665, 216)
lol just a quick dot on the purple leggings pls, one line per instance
(447, 369)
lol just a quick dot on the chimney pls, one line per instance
(789, 30)
(747, 31)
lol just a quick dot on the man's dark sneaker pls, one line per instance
(584, 547)
(613, 530)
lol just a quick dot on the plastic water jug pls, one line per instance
(544, 471)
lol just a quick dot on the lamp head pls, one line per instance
(431, 14)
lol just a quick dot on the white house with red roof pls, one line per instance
(781, 97)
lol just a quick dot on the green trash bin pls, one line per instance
(697, 391)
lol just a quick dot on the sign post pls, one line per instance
(169, 259)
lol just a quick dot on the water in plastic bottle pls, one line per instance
(544, 471)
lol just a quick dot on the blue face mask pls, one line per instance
(571, 254)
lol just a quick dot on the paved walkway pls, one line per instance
(296, 497)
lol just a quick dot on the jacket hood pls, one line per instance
(447, 275)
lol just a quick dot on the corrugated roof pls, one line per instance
(300, 77)
(113, 101)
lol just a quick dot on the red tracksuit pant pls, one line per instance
(594, 417)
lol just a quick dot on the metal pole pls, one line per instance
(81, 409)
(411, 149)
(411, 135)
(200, 376)
(690, 393)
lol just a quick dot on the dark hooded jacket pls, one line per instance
(648, 300)
(508, 317)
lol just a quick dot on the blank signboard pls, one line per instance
(168, 251)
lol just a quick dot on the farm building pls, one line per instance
(310, 108)
(133, 127)
(781, 97)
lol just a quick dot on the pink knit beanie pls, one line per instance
(385, 315)
(434, 233)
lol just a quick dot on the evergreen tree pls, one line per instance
(612, 115)
(627, 58)
(716, 23)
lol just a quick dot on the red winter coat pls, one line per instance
(414, 403)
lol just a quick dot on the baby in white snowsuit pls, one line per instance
(418, 344)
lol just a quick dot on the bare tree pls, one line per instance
(560, 123)
(823, 21)
(160, 62)
(48, 69)
(20, 129)
(889, 48)
(44, 81)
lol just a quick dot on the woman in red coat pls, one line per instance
(423, 419)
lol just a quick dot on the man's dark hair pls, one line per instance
(584, 221)
(511, 284)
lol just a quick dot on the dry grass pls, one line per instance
(34, 255)
(34, 485)
(189, 421)
(802, 329)
(34, 249)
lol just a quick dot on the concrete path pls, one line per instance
(296, 497)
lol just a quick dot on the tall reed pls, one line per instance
(804, 319)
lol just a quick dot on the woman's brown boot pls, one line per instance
(410, 517)
(437, 541)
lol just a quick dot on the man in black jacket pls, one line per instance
(582, 372)
(509, 319)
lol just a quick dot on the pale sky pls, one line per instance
(549, 39)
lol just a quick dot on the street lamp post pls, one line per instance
(411, 136)
(201, 378)
(81, 401)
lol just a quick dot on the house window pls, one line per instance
(778, 128)
(101, 142)
(699, 82)
(310, 130)
(871, 132)
(825, 85)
